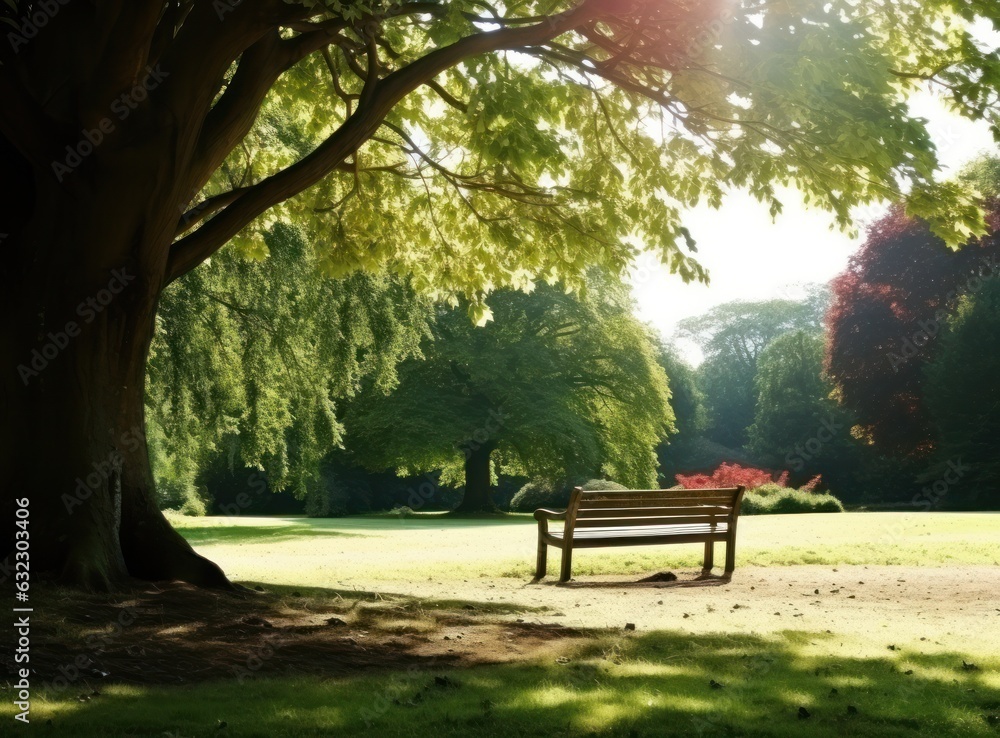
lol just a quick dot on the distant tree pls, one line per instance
(683, 450)
(797, 426)
(686, 399)
(556, 384)
(963, 402)
(890, 307)
(733, 336)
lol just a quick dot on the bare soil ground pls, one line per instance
(179, 635)
(947, 601)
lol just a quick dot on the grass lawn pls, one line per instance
(322, 552)
(874, 624)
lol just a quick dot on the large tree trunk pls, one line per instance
(478, 484)
(80, 317)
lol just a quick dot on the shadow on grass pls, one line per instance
(388, 521)
(655, 684)
(221, 534)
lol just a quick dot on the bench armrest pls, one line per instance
(543, 514)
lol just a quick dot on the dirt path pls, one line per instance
(957, 604)
(178, 635)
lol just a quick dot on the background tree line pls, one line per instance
(356, 394)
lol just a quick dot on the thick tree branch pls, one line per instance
(121, 65)
(376, 102)
(212, 38)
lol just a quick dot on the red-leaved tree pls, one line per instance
(888, 308)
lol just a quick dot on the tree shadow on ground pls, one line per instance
(223, 534)
(652, 684)
(703, 580)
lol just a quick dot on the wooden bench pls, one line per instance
(595, 519)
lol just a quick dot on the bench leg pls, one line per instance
(706, 568)
(730, 556)
(567, 564)
(541, 564)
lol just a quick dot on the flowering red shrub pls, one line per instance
(732, 475)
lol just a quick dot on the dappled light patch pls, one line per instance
(637, 684)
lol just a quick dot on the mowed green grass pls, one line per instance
(431, 546)
(645, 683)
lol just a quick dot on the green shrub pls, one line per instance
(539, 493)
(400, 511)
(592, 485)
(770, 490)
(181, 496)
(770, 499)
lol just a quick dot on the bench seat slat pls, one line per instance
(664, 494)
(590, 504)
(595, 537)
(628, 524)
(648, 540)
(633, 512)
(640, 532)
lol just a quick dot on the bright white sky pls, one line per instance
(749, 257)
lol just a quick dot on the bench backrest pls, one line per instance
(642, 507)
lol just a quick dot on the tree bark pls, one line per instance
(81, 315)
(478, 484)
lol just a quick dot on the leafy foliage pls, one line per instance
(542, 493)
(766, 492)
(732, 475)
(686, 400)
(797, 424)
(784, 500)
(963, 400)
(251, 367)
(544, 162)
(557, 384)
(733, 336)
(890, 306)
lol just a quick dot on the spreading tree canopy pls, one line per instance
(733, 336)
(469, 145)
(891, 306)
(254, 368)
(557, 384)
